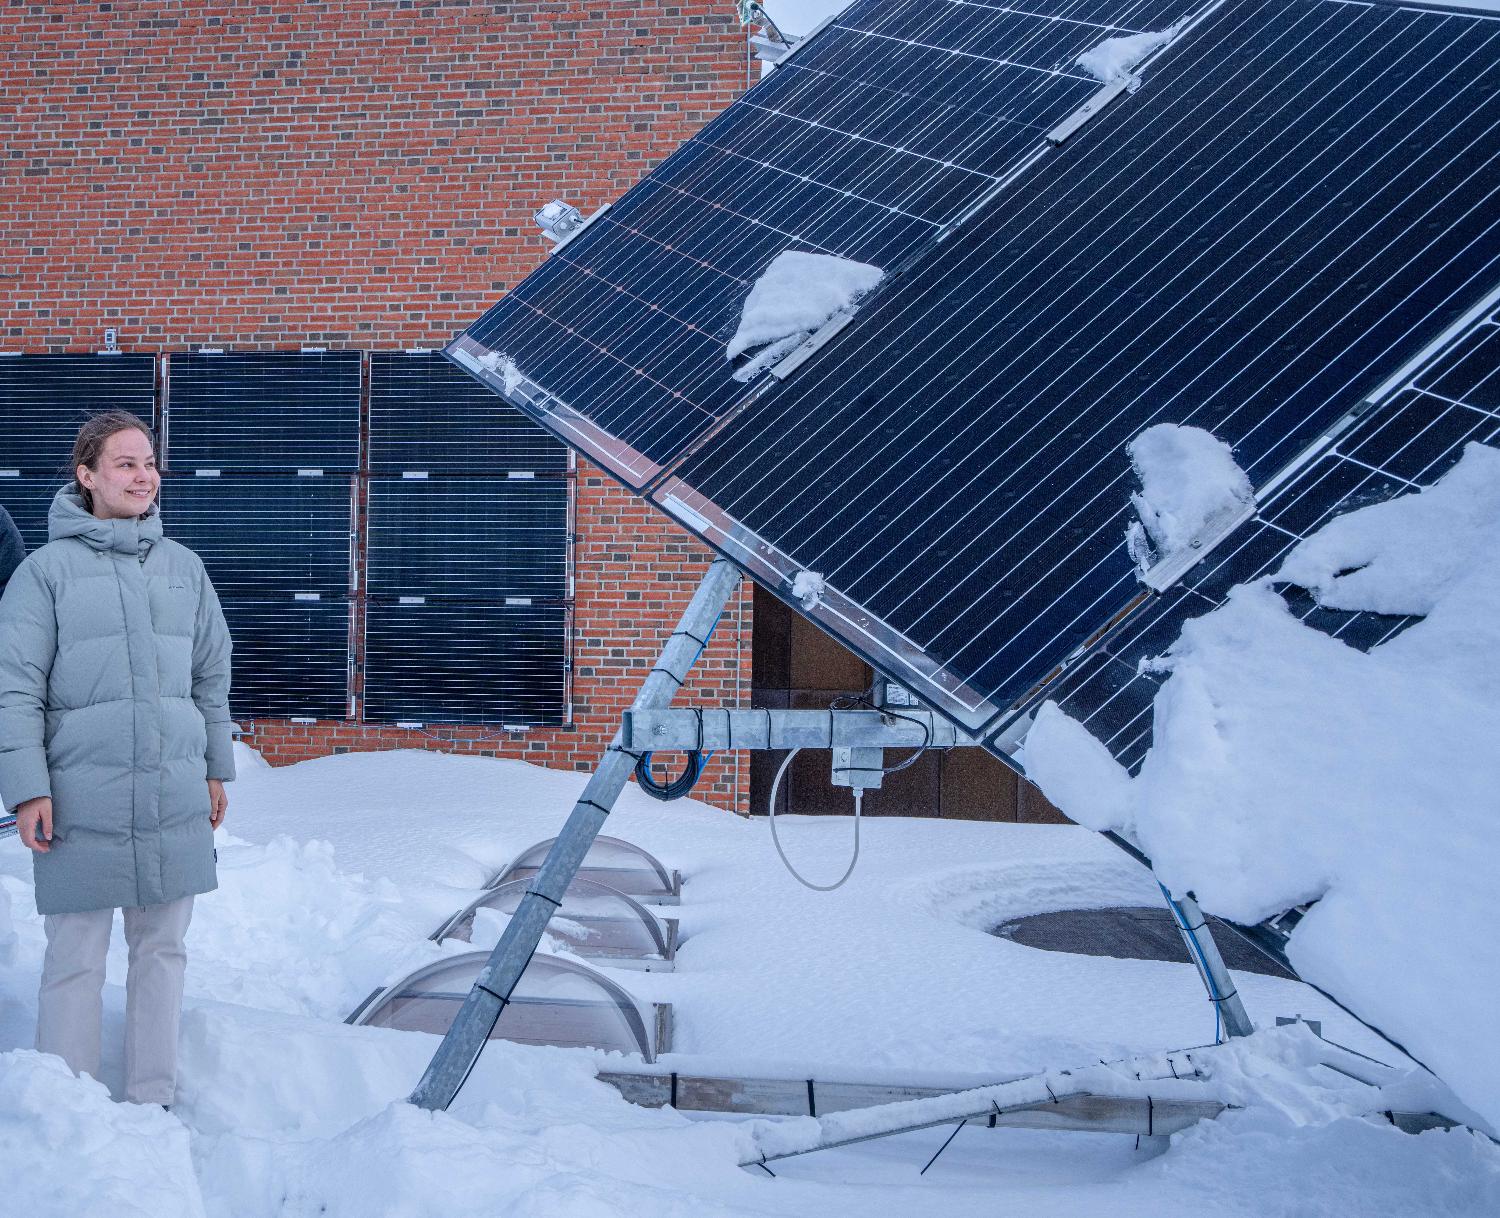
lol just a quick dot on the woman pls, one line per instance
(114, 748)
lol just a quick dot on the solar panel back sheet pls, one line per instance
(1298, 199)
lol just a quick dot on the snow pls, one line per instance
(1115, 58)
(795, 295)
(1190, 486)
(504, 367)
(808, 587)
(1289, 767)
(339, 868)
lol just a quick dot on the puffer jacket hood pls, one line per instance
(69, 518)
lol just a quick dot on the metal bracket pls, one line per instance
(666, 730)
(1166, 573)
(812, 345)
(1069, 125)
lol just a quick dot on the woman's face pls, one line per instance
(125, 482)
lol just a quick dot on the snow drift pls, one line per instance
(1288, 767)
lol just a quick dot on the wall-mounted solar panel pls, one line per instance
(45, 398)
(266, 411)
(1409, 440)
(465, 663)
(258, 533)
(871, 142)
(428, 416)
(1303, 192)
(291, 657)
(469, 538)
(28, 498)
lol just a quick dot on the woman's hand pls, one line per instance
(34, 820)
(218, 802)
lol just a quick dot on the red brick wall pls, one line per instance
(358, 174)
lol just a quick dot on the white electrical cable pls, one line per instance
(771, 811)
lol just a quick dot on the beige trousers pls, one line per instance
(70, 1005)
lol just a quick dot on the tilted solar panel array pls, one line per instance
(261, 449)
(43, 401)
(870, 143)
(1407, 440)
(468, 574)
(1299, 197)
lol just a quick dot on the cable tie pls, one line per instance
(500, 998)
(1150, 1118)
(689, 634)
(532, 892)
(668, 672)
(812, 1103)
(589, 803)
(673, 1100)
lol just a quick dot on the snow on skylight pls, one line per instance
(795, 295)
(1289, 767)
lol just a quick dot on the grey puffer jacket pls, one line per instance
(114, 693)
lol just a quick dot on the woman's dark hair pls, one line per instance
(88, 448)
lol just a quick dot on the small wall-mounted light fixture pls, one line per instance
(558, 220)
(111, 341)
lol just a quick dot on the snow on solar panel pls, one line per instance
(870, 143)
(1408, 439)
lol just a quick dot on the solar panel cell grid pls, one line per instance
(258, 534)
(28, 498)
(454, 538)
(425, 414)
(290, 658)
(267, 411)
(866, 144)
(44, 399)
(470, 663)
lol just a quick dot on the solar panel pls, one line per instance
(291, 658)
(28, 497)
(426, 415)
(872, 142)
(264, 411)
(476, 538)
(472, 663)
(1409, 439)
(1302, 192)
(258, 533)
(45, 398)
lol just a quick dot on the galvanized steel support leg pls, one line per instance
(465, 1040)
(1205, 954)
